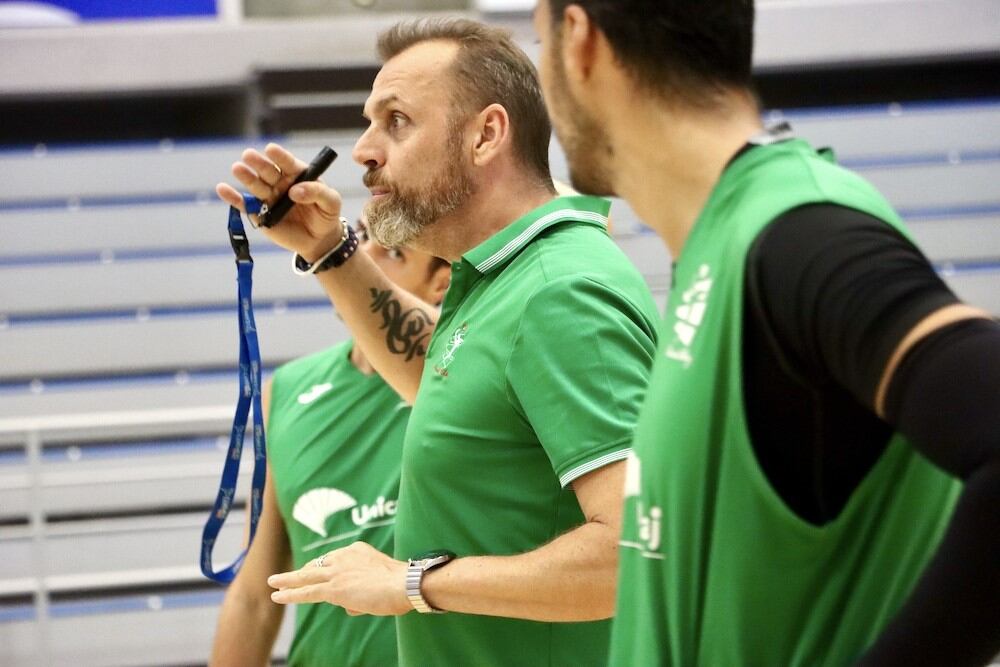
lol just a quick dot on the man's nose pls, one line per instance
(366, 151)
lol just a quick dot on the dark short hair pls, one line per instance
(489, 68)
(676, 47)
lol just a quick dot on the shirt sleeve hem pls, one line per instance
(589, 466)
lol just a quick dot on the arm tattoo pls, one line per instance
(406, 332)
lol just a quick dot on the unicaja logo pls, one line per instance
(363, 514)
(313, 508)
(649, 526)
(690, 314)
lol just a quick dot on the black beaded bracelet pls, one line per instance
(336, 257)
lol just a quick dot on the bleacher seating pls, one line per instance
(117, 315)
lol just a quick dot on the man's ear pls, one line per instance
(438, 283)
(579, 44)
(492, 134)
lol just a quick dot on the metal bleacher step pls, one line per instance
(105, 539)
(130, 487)
(168, 170)
(118, 229)
(188, 279)
(100, 557)
(910, 128)
(953, 237)
(142, 393)
(101, 347)
(916, 188)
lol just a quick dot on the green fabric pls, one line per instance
(533, 378)
(334, 438)
(715, 569)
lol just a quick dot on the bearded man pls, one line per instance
(525, 388)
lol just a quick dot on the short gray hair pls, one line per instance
(489, 69)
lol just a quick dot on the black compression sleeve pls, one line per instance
(945, 397)
(839, 289)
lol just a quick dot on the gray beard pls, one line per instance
(395, 221)
(392, 228)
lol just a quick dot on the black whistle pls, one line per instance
(271, 215)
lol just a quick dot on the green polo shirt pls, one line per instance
(533, 378)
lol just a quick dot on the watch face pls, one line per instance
(433, 554)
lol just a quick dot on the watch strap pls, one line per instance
(339, 254)
(414, 578)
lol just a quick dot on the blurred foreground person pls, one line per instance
(816, 471)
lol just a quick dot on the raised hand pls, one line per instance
(312, 226)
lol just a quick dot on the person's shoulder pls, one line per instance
(585, 252)
(572, 238)
(589, 281)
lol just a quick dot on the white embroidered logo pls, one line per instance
(690, 314)
(317, 390)
(457, 339)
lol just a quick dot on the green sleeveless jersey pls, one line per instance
(334, 438)
(715, 570)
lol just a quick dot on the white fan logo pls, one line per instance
(313, 508)
(317, 390)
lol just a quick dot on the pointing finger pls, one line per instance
(303, 577)
(305, 594)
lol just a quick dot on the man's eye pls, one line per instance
(394, 253)
(397, 120)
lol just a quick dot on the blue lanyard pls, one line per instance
(249, 393)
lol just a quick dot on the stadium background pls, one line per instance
(117, 332)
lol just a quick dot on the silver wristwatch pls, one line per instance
(415, 576)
